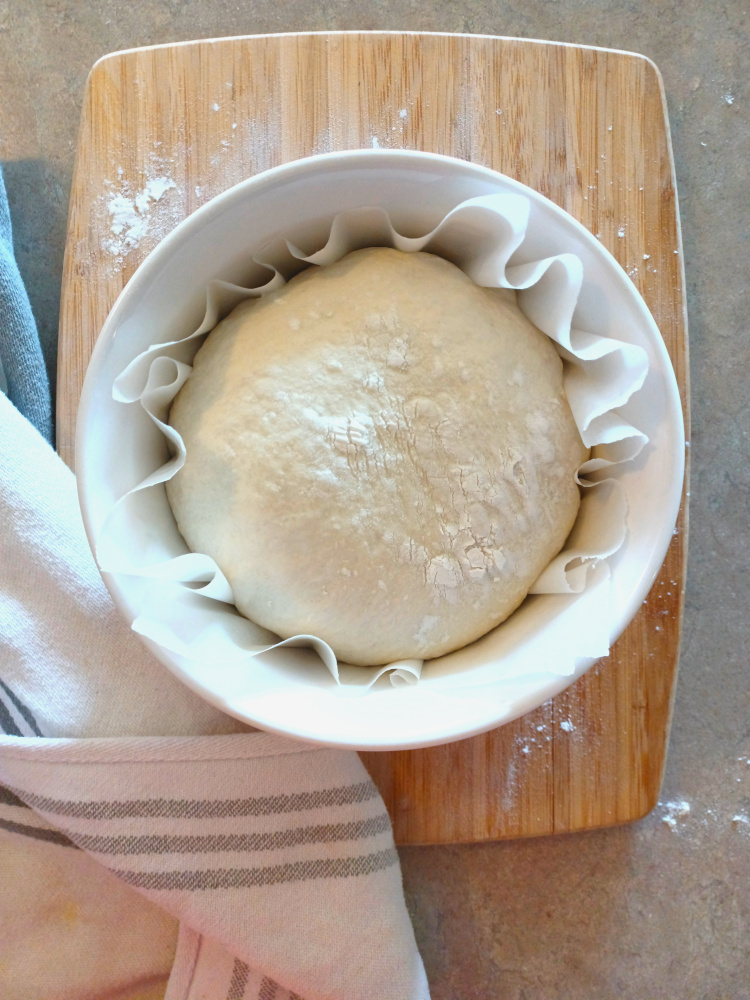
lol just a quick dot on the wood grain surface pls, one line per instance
(164, 129)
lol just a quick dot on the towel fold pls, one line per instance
(276, 858)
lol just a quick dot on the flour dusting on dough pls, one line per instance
(419, 469)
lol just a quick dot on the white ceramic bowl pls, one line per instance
(167, 294)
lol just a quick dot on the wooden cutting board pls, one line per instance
(164, 129)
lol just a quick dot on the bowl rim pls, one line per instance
(382, 159)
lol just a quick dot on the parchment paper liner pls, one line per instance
(187, 608)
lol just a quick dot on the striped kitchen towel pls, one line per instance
(280, 857)
(276, 859)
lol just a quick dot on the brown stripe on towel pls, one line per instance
(245, 878)
(7, 798)
(237, 986)
(36, 833)
(267, 989)
(205, 843)
(266, 805)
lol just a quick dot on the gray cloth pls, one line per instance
(20, 353)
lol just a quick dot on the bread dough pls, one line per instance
(380, 454)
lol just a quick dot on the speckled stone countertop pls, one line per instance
(661, 908)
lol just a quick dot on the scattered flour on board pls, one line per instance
(129, 210)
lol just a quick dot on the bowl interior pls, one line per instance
(166, 297)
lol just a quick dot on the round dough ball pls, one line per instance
(380, 453)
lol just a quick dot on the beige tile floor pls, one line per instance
(659, 909)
